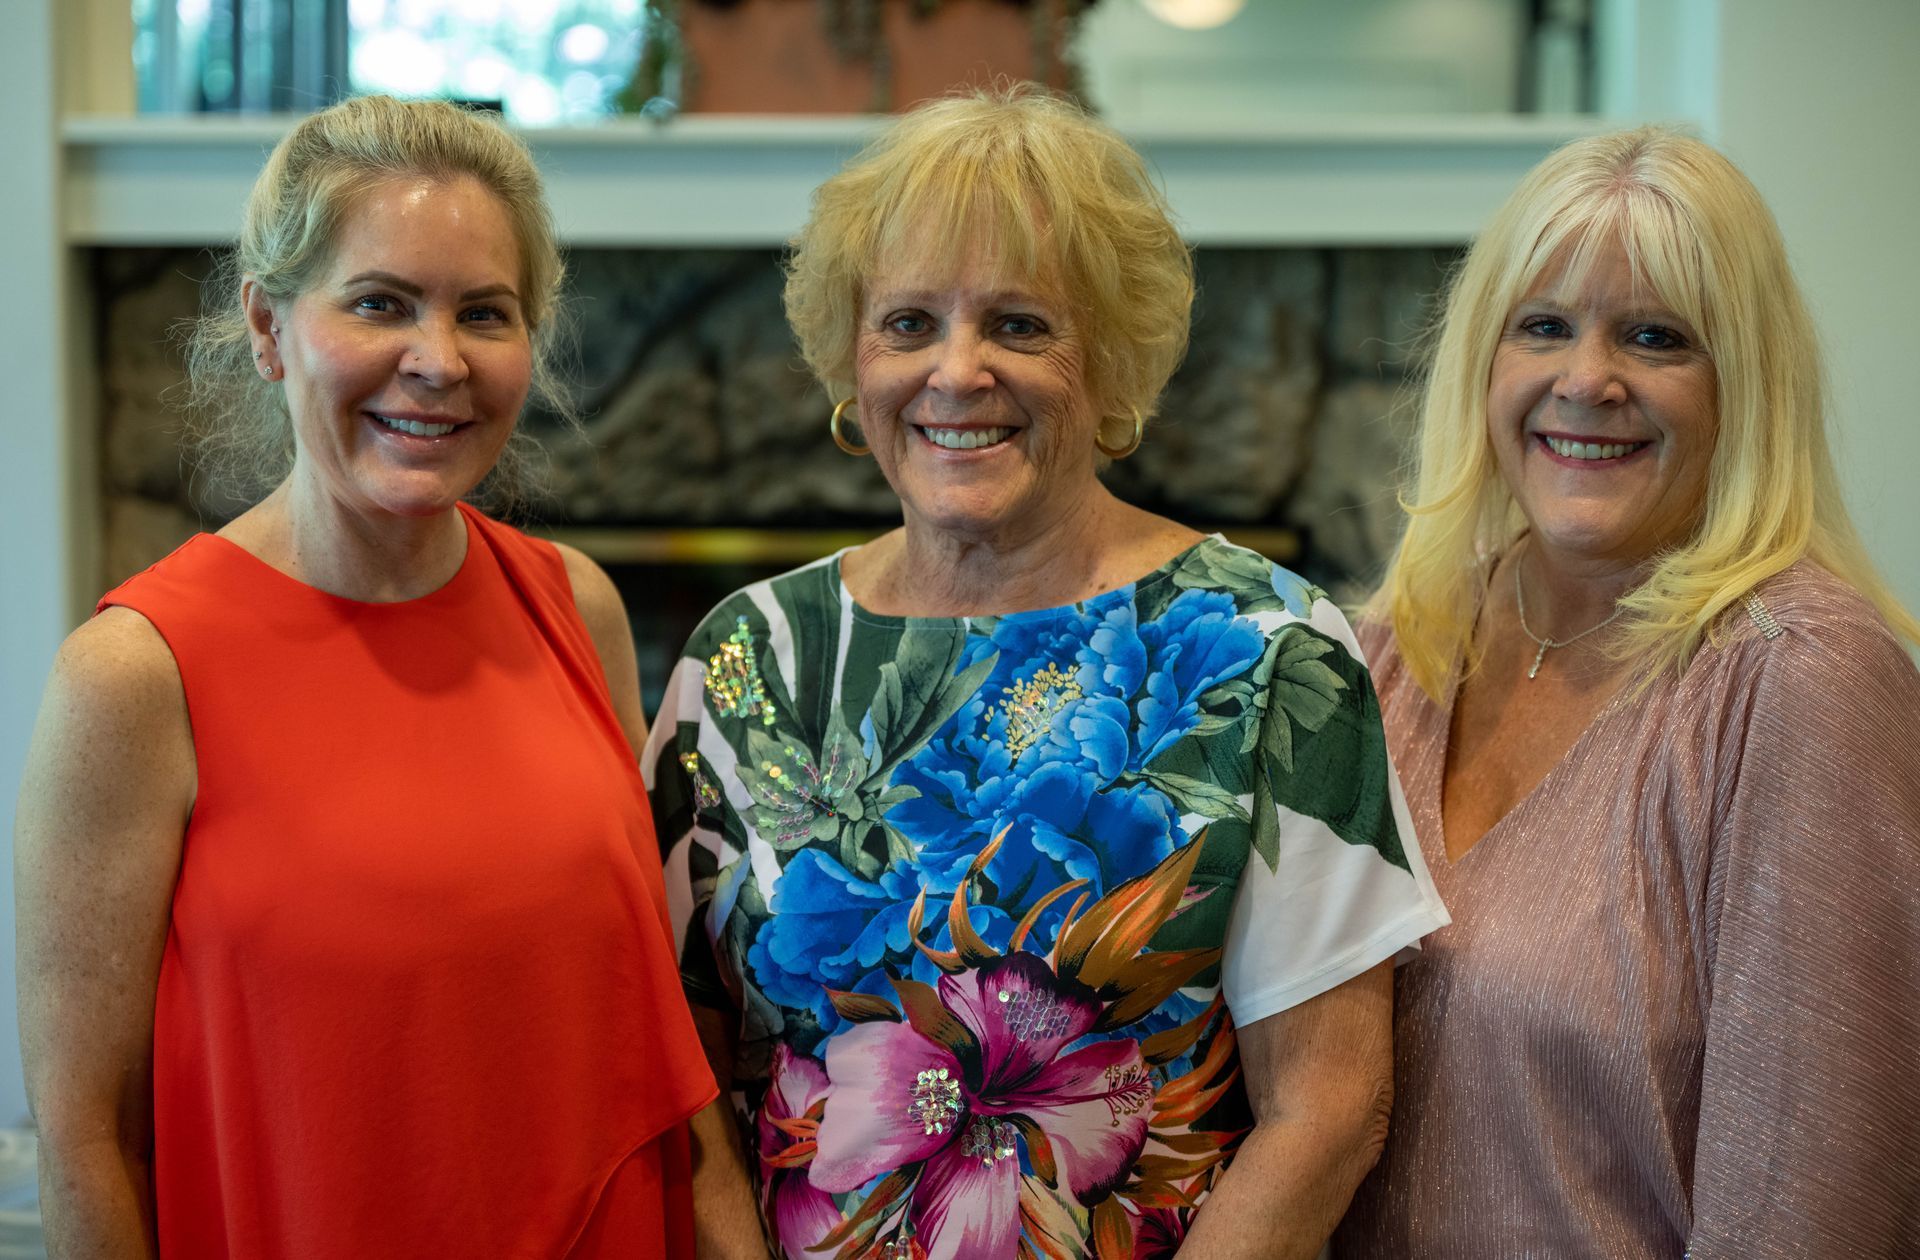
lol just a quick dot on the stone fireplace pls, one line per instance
(705, 461)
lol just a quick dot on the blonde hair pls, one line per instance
(1697, 236)
(1048, 189)
(238, 427)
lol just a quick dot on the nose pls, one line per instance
(434, 355)
(961, 366)
(1589, 373)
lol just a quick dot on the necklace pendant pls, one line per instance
(1537, 658)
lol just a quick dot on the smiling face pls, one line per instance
(1602, 415)
(972, 394)
(408, 361)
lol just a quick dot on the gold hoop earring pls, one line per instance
(1121, 452)
(839, 438)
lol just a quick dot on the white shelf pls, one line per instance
(729, 181)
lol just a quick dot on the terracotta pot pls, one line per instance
(775, 56)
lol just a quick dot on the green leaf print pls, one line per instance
(1306, 689)
(810, 602)
(1245, 575)
(1196, 796)
(802, 795)
(918, 692)
(762, 1020)
(1322, 749)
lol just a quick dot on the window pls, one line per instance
(541, 61)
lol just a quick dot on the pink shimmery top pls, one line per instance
(1678, 1009)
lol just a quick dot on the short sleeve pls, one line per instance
(1809, 1132)
(1339, 884)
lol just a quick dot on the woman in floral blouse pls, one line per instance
(1037, 865)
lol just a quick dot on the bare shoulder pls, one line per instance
(1156, 539)
(605, 615)
(595, 596)
(116, 668)
(113, 747)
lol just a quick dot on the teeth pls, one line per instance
(966, 439)
(1592, 450)
(416, 427)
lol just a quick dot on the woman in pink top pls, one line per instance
(1662, 748)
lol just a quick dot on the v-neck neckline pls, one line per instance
(1443, 713)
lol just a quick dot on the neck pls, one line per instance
(1569, 596)
(356, 555)
(1051, 557)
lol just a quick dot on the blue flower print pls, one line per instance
(1295, 592)
(1077, 699)
(1200, 642)
(832, 929)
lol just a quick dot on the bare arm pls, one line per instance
(109, 783)
(726, 1220)
(1320, 1079)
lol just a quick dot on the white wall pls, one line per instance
(1817, 103)
(1303, 57)
(35, 543)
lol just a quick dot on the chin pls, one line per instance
(419, 502)
(977, 518)
(1609, 540)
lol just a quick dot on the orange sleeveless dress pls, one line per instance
(418, 997)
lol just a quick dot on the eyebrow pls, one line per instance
(922, 297)
(411, 289)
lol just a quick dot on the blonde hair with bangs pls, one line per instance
(1048, 190)
(1699, 237)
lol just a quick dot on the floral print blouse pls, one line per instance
(990, 895)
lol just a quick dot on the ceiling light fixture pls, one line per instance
(1194, 15)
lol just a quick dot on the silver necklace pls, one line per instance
(1520, 598)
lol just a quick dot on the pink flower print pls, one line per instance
(1157, 1233)
(784, 1128)
(971, 1080)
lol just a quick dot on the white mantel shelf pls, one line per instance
(733, 181)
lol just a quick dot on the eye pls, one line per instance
(907, 323)
(1544, 326)
(1654, 337)
(1022, 326)
(484, 315)
(375, 304)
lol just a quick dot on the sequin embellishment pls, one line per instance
(794, 794)
(1034, 1016)
(705, 794)
(1031, 705)
(989, 1139)
(733, 678)
(935, 1101)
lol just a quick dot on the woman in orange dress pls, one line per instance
(342, 932)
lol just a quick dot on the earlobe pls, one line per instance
(263, 327)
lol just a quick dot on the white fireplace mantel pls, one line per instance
(719, 181)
